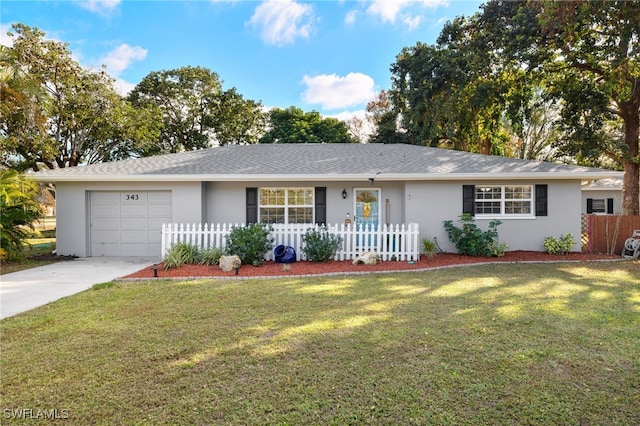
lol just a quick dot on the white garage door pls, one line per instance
(128, 223)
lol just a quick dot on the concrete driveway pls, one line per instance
(28, 289)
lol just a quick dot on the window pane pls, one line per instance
(488, 207)
(599, 205)
(488, 192)
(271, 197)
(300, 215)
(517, 192)
(517, 207)
(300, 197)
(272, 215)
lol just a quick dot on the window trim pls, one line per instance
(503, 200)
(286, 205)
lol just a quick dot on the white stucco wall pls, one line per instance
(72, 221)
(429, 204)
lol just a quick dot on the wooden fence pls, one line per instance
(399, 242)
(607, 233)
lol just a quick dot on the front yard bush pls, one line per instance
(181, 254)
(562, 245)
(320, 245)
(250, 243)
(473, 241)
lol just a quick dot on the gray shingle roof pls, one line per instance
(321, 161)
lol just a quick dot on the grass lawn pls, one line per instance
(36, 253)
(501, 344)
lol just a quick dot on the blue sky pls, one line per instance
(327, 56)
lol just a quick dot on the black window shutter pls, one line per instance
(589, 205)
(469, 199)
(609, 205)
(252, 205)
(541, 200)
(321, 205)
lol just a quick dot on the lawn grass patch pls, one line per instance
(496, 344)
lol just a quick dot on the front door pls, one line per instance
(367, 207)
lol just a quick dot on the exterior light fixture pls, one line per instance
(344, 194)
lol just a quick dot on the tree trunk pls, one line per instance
(631, 162)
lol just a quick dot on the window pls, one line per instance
(512, 200)
(598, 206)
(286, 205)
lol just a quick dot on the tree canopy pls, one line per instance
(292, 125)
(60, 114)
(196, 112)
(489, 79)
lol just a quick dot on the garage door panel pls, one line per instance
(133, 197)
(133, 236)
(105, 223)
(137, 210)
(163, 197)
(106, 237)
(105, 198)
(158, 210)
(105, 210)
(128, 223)
(106, 250)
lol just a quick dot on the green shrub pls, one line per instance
(181, 254)
(250, 243)
(211, 256)
(473, 241)
(561, 245)
(320, 245)
(429, 247)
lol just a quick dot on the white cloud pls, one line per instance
(335, 92)
(412, 22)
(118, 60)
(121, 57)
(103, 7)
(350, 17)
(281, 22)
(390, 10)
(5, 40)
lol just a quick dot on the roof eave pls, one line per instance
(387, 177)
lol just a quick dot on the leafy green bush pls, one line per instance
(250, 243)
(473, 241)
(320, 245)
(211, 256)
(181, 254)
(561, 245)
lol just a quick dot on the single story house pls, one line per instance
(117, 208)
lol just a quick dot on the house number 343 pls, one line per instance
(132, 197)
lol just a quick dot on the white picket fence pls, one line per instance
(399, 242)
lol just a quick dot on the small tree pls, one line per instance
(20, 208)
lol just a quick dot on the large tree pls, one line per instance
(596, 58)
(73, 119)
(196, 112)
(293, 125)
(486, 71)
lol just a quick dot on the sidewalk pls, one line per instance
(24, 290)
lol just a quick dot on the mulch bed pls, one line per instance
(271, 269)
